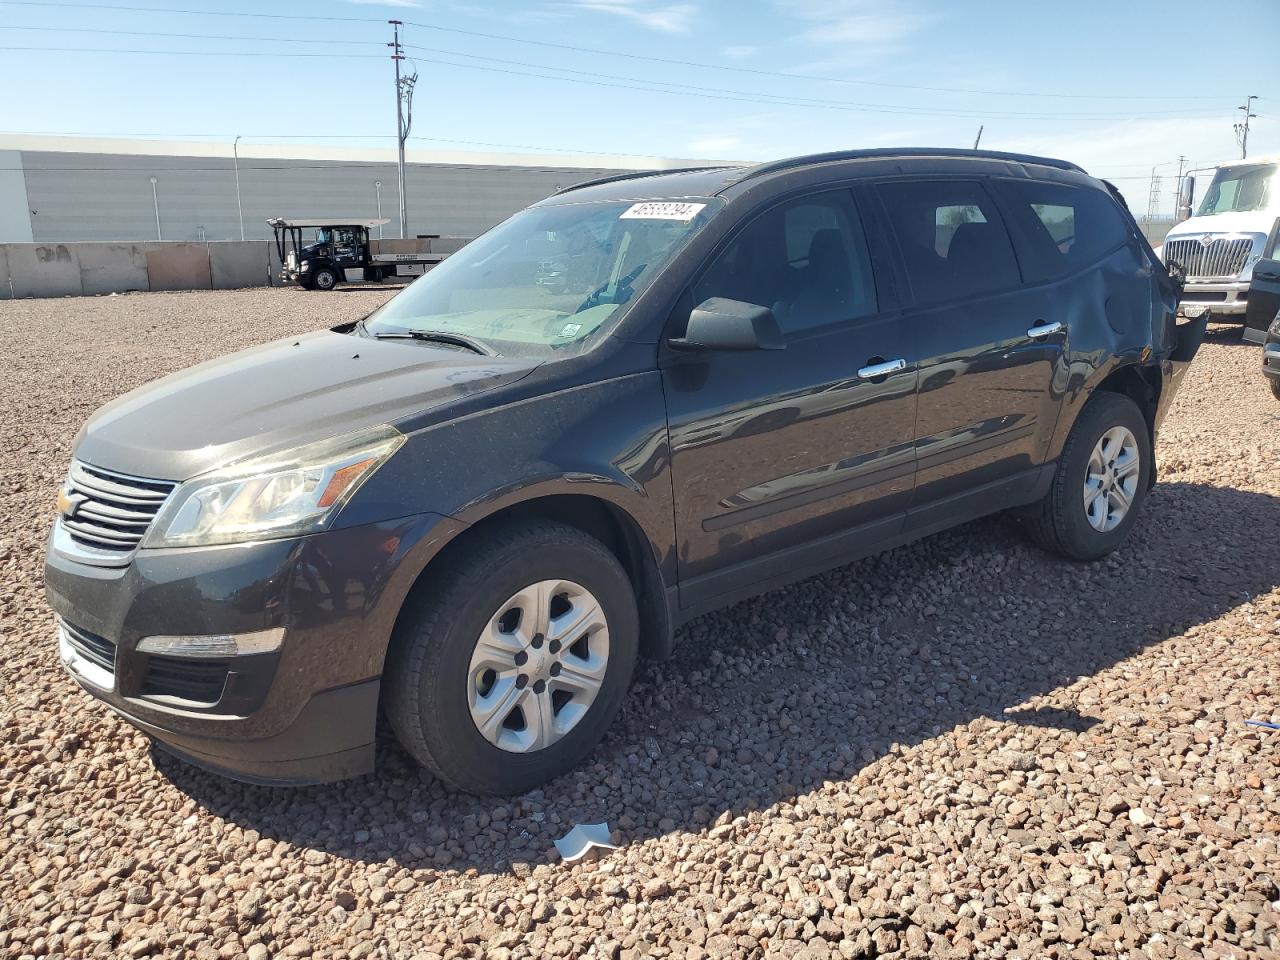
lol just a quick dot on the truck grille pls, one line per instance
(1221, 258)
(110, 511)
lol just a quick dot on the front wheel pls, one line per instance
(1101, 481)
(324, 279)
(514, 660)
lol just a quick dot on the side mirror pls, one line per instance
(721, 324)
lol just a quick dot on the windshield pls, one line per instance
(1240, 189)
(322, 235)
(548, 278)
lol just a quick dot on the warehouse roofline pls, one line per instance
(42, 143)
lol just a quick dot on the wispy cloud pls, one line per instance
(716, 146)
(740, 52)
(872, 22)
(665, 18)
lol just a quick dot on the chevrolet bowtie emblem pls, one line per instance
(68, 503)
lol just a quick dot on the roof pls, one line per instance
(1252, 161)
(710, 181)
(328, 221)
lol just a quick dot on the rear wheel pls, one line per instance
(511, 666)
(1101, 481)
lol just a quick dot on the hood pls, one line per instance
(1247, 221)
(277, 396)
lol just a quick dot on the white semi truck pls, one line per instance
(1236, 224)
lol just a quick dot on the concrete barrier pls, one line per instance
(238, 263)
(112, 267)
(97, 267)
(43, 269)
(178, 266)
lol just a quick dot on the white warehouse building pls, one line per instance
(66, 189)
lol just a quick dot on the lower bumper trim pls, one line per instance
(331, 739)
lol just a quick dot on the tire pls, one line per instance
(1062, 523)
(1274, 383)
(437, 672)
(326, 278)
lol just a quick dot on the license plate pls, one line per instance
(1191, 311)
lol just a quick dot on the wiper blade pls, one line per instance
(439, 336)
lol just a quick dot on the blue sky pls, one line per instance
(1117, 87)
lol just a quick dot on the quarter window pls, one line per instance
(1064, 228)
(807, 260)
(953, 242)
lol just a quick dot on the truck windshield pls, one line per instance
(549, 277)
(1239, 189)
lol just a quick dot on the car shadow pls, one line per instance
(770, 698)
(1228, 335)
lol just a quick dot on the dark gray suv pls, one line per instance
(641, 399)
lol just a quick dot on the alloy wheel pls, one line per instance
(1111, 479)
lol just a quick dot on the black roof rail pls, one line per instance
(636, 174)
(776, 166)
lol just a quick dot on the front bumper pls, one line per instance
(1224, 300)
(304, 713)
(1271, 359)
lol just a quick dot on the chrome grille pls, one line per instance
(1224, 257)
(110, 512)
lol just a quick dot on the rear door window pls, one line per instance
(1062, 229)
(953, 242)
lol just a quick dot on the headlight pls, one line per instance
(305, 265)
(282, 495)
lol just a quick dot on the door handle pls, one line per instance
(1044, 329)
(882, 369)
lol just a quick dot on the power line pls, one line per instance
(668, 61)
(706, 93)
(202, 13)
(191, 36)
(198, 53)
(788, 98)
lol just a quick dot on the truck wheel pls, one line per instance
(324, 279)
(509, 668)
(1101, 481)
(1275, 387)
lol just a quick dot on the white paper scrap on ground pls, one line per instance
(575, 844)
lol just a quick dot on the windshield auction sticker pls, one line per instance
(663, 210)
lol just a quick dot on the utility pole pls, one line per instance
(1242, 129)
(1180, 198)
(155, 200)
(978, 139)
(404, 116)
(235, 151)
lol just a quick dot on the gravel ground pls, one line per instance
(963, 747)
